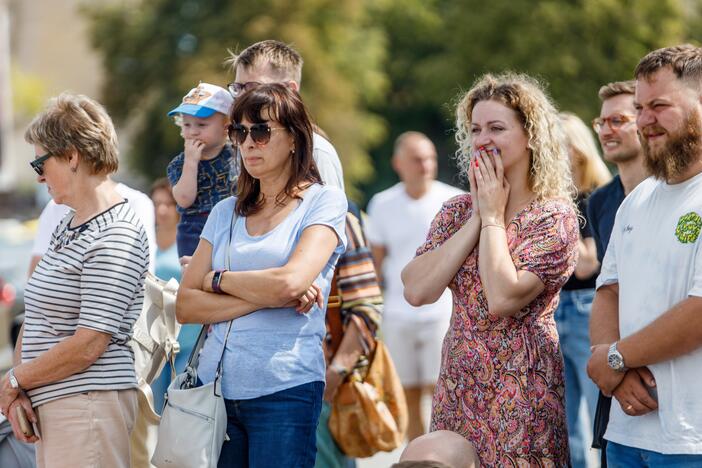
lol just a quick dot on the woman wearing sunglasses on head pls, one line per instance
(82, 299)
(285, 232)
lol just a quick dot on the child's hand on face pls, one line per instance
(193, 150)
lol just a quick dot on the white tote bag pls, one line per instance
(194, 420)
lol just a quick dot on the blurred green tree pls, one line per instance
(374, 69)
(154, 51)
(439, 47)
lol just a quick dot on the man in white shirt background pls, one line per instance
(399, 220)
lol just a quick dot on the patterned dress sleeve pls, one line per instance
(548, 243)
(453, 215)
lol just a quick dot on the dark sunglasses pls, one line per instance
(260, 133)
(38, 163)
(235, 89)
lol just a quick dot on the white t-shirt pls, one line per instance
(53, 213)
(400, 224)
(654, 254)
(328, 162)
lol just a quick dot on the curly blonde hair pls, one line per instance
(549, 169)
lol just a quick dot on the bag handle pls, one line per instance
(194, 359)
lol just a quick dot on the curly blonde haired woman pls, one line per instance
(504, 250)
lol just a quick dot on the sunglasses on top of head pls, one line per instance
(260, 133)
(38, 163)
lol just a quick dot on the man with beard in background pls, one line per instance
(648, 305)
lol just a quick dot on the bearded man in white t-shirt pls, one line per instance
(400, 218)
(646, 325)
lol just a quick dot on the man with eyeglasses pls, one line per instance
(616, 130)
(275, 62)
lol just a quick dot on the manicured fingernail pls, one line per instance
(476, 163)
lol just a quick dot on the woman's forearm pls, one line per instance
(69, 357)
(505, 290)
(197, 306)
(273, 287)
(426, 277)
(587, 259)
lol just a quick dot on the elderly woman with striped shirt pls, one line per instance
(76, 377)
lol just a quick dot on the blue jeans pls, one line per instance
(622, 456)
(276, 430)
(188, 233)
(572, 320)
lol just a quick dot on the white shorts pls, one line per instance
(415, 348)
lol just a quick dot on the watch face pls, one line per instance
(615, 361)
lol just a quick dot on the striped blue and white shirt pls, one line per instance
(92, 277)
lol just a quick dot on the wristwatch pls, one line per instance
(13, 380)
(615, 360)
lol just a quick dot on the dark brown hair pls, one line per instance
(285, 106)
(685, 61)
(616, 88)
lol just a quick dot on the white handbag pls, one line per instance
(194, 419)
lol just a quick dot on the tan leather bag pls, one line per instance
(370, 414)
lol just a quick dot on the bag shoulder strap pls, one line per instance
(194, 358)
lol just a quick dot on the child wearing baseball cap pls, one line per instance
(204, 173)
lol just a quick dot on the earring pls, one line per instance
(292, 152)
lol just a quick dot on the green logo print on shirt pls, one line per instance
(688, 228)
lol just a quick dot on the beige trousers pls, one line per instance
(88, 430)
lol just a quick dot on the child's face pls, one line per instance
(211, 131)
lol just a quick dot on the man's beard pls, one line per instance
(679, 151)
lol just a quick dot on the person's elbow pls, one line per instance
(184, 200)
(184, 305)
(92, 347)
(503, 308)
(417, 297)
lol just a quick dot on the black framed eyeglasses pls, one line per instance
(235, 89)
(260, 133)
(38, 163)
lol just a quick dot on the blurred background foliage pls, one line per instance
(373, 68)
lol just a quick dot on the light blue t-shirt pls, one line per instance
(271, 349)
(168, 263)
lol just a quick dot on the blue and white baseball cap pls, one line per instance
(204, 101)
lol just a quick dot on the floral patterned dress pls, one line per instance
(501, 379)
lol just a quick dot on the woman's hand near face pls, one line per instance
(493, 188)
(473, 189)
